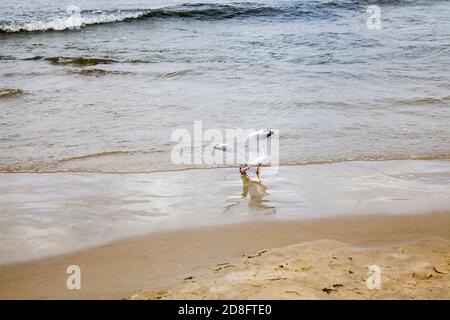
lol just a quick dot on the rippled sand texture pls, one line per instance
(324, 269)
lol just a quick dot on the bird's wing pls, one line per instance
(231, 149)
(255, 150)
(260, 134)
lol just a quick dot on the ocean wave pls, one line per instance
(101, 155)
(122, 166)
(7, 58)
(69, 22)
(185, 11)
(99, 72)
(174, 74)
(424, 101)
(73, 61)
(200, 11)
(79, 61)
(203, 11)
(10, 93)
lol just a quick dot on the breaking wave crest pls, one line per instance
(201, 11)
(70, 22)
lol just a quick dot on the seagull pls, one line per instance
(255, 157)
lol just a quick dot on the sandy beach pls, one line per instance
(294, 260)
(306, 232)
(325, 269)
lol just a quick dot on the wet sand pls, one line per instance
(184, 263)
(43, 214)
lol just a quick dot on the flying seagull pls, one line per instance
(255, 156)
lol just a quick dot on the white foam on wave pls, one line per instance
(72, 22)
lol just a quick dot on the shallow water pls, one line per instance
(107, 97)
(53, 213)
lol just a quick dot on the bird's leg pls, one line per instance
(257, 170)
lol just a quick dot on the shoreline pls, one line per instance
(6, 171)
(160, 261)
(54, 214)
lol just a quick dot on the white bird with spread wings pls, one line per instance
(255, 156)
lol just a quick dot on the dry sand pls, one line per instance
(325, 269)
(217, 262)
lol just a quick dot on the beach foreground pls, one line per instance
(325, 269)
(317, 258)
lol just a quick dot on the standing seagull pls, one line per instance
(255, 156)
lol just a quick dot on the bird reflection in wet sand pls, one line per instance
(255, 191)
